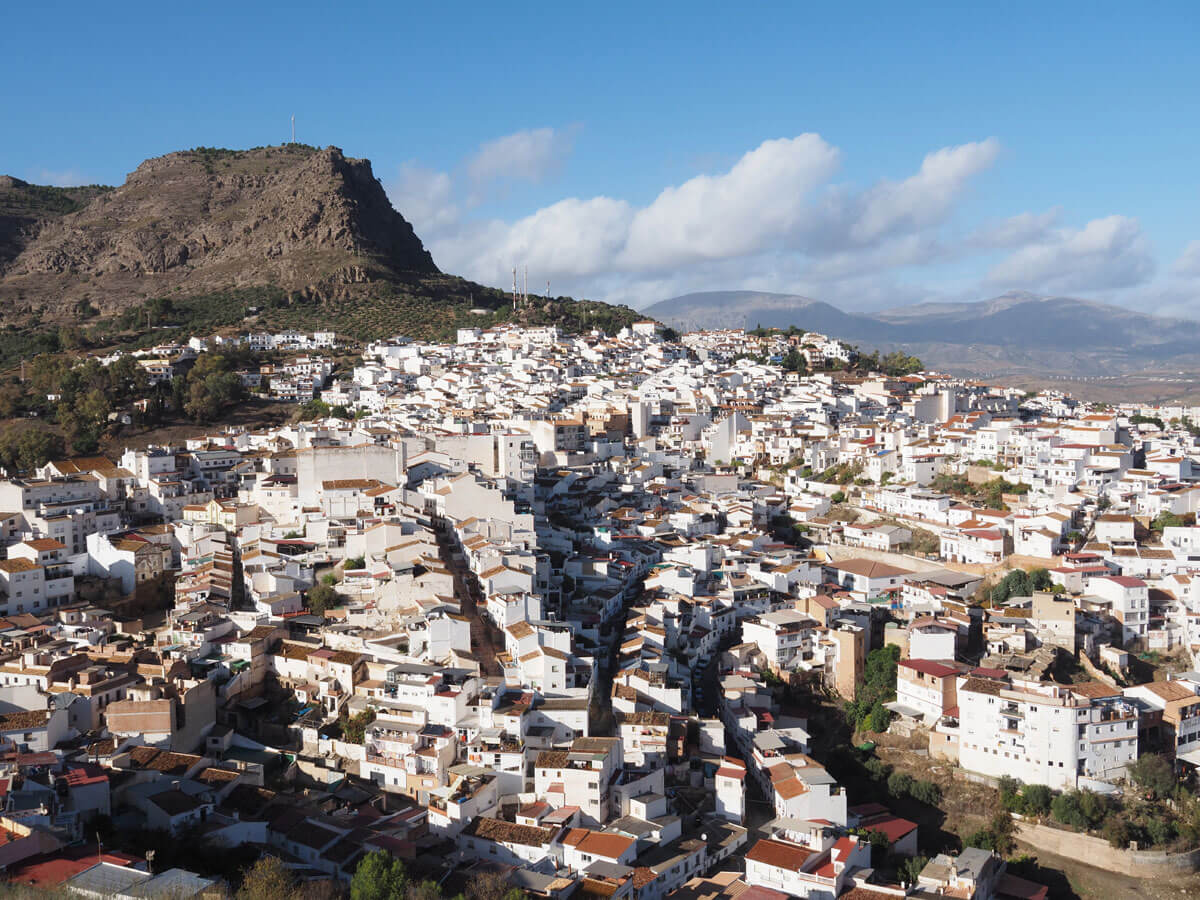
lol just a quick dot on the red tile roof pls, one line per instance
(779, 855)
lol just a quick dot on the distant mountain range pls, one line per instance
(1015, 332)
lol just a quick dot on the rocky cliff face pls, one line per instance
(310, 221)
(26, 208)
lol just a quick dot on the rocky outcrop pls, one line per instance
(26, 208)
(294, 217)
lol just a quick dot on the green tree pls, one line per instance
(1118, 831)
(1153, 775)
(1010, 793)
(320, 598)
(881, 845)
(28, 449)
(795, 361)
(13, 399)
(354, 730)
(209, 396)
(910, 870)
(1139, 419)
(898, 364)
(1036, 799)
(314, 409)
(379, 876)
(926, 792)
(1004, 833)
(1166, 520)
(879, 719)
(1079, 809)
(899, 784)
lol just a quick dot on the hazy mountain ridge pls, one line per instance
(1016, 329)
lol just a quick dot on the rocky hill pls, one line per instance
(27, 208)
(310, 222)
(289, 236)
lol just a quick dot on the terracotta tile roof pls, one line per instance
(552, 759)
(24, 719)
(779, 855)
(983, 686)
(609, 846)
(509, 832)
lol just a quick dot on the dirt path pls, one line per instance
(1069, 878)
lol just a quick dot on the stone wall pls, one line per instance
(1096, 672)
(1097, 852)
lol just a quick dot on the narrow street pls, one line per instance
(486, 639)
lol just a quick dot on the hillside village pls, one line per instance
(581, 613)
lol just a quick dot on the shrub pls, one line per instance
(354, 731)
(1153, 775)
(379, 876)
(899, 784)
(320, 598)
(1036, 799)
(1160, 830)
(879, 719)
(877, 768)
(1117, 831)
(1079, 809)
(926, 792)
(910, 870)
(1010, 792)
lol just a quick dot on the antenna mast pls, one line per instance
(516, 299)
(293, 128)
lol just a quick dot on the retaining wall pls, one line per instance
(1098, 852)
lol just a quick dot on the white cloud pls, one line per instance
(1105, 254)
(754, 205)
(1188, 264)
(925, 198)
(571, 238)
(1016, 231)
(63, 178)
(531, 155)
(774, 221)
(424, 197)
(773, 202)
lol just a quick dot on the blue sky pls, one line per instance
(871, 155)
